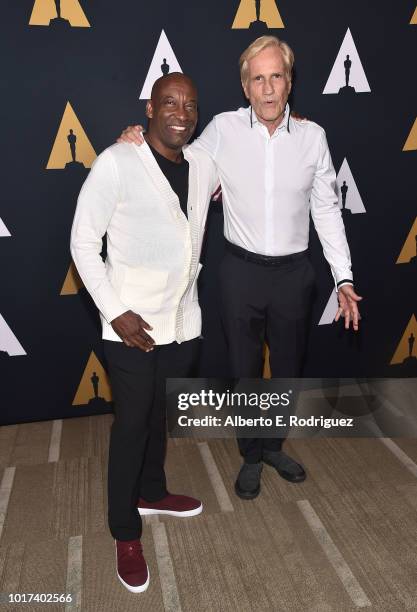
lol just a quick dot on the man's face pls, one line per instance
(173, 112)
(267, 86)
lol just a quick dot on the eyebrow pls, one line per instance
(166, 96)
(274, 72)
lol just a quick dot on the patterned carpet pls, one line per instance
(342, 540)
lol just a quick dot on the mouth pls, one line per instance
(178, 129)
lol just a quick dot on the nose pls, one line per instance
(182, 112)
(268, 87)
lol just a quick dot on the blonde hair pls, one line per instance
(259, 45)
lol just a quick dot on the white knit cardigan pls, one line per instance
(153, 251)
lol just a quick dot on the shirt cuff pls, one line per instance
(345, 281)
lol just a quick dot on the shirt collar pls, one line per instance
(284, 125)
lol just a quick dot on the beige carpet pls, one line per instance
(343, 540)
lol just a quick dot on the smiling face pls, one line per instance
(267, 86)
(172, 111)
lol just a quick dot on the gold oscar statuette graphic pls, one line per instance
(72, 283)
(63, 13)
(414, 18)
(72, 148)
(252, 13)
(411, 142)
(94, 388)
(409, 251)
(407, 348)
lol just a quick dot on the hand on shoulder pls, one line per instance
(133, 133)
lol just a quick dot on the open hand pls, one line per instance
(130, 327)
(348, 307)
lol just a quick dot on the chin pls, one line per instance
(174, 143)
(270, 116)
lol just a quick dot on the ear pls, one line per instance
(289, 87)
(245, 89)
(149, 109)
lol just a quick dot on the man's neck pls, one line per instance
(174, 155)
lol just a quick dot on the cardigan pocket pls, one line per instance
(144, 288)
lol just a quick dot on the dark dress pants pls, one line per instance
(269, 304)
(138, 434)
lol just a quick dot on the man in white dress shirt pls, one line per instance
(274, 171)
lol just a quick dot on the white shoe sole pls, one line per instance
(147, 511)
(133, 589)
(129, 587)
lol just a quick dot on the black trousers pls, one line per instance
(269, 304)
(138, 434)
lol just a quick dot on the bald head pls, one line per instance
(172, 114)
(170, 79)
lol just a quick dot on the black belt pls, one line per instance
(265, 260)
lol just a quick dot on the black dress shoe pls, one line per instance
(248, 483)
(285, 466)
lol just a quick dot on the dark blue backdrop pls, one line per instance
(101, 70)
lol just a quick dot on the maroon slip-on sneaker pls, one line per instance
(132, 569)
(175, 505)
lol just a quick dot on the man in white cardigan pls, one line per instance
(152, 203)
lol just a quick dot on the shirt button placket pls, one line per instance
(269, 196)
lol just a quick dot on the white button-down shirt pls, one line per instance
(270, 184)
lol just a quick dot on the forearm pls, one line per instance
(92, 270)
(327, 217)
(331, 232)
(96, 205)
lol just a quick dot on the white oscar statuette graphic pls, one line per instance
(8, 341)
(347, 191)
(347, 75)
(4, 232)
(163, 62)
(330, 311)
